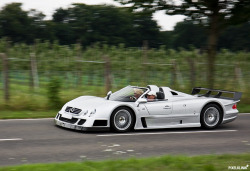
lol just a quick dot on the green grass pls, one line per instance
(243, 108)
(23, 99)
(176, 163)
(27, 114)
(27, 103)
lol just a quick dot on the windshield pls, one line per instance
(127, 94)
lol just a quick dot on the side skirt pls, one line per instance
(193, 125)
(167, 122)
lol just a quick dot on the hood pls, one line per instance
(88, 102)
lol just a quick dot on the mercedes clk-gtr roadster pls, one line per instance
(121, 111)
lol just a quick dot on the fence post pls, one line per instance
(144, 61)
(78, 66)
(238, 76)
(192, 71)
(34, 82)
(107, 73)
(174, 73)
(5, 76)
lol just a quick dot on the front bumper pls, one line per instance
(79, 124)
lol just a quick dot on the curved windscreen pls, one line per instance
(126, 94)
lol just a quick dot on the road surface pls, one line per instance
(40, 141)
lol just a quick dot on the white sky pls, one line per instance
(48, 7)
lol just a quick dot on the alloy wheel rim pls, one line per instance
(211, 116)
(122, 119)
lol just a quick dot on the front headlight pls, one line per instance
(92, 112)
(84, 112)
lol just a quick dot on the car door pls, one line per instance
(159, 107)
(184, 108)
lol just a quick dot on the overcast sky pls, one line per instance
(48, 7)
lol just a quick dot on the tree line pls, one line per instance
(85, 24)
(188, 35)
(89, 24)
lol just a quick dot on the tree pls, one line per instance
(235, 38)
(182, 38)
(111, 25)
(215, 14)
(14, 22)
(62, 29)
(37, 27)
(146, 29)
(21, 26)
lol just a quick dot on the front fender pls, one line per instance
(105, 111)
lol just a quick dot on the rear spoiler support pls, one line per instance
(236, 95)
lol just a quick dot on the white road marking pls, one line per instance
(116, 145)
(160, 133)
(244, 113)
(244, 141)
(130, 150)
(108, 149)
(12, 139)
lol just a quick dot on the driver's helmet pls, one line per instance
(151, 93)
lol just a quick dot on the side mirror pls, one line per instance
(108, 94)
(141, 100)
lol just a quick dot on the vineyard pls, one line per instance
(29, 71)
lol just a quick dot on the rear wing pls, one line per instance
(231, 95)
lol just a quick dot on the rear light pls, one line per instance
(234, 106)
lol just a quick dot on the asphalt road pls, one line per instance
(40, 141)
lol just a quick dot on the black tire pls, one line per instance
(122, 119)
(211, 116)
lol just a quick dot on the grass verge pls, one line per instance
(177, 163)
(243, 108)
(27, 114)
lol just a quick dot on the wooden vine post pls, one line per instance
(5, 76)
(107, 73)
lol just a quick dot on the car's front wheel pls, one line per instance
(122, 119)
(211, 116)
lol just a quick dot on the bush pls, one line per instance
(53, 93)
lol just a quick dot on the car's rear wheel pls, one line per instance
(122, 119)
(211, 116)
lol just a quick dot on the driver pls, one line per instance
(137, 93)
(151, 96)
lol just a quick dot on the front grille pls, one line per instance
(72, 110)
(81, 122)
(72, 121)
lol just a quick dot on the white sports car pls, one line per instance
(122, 111)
